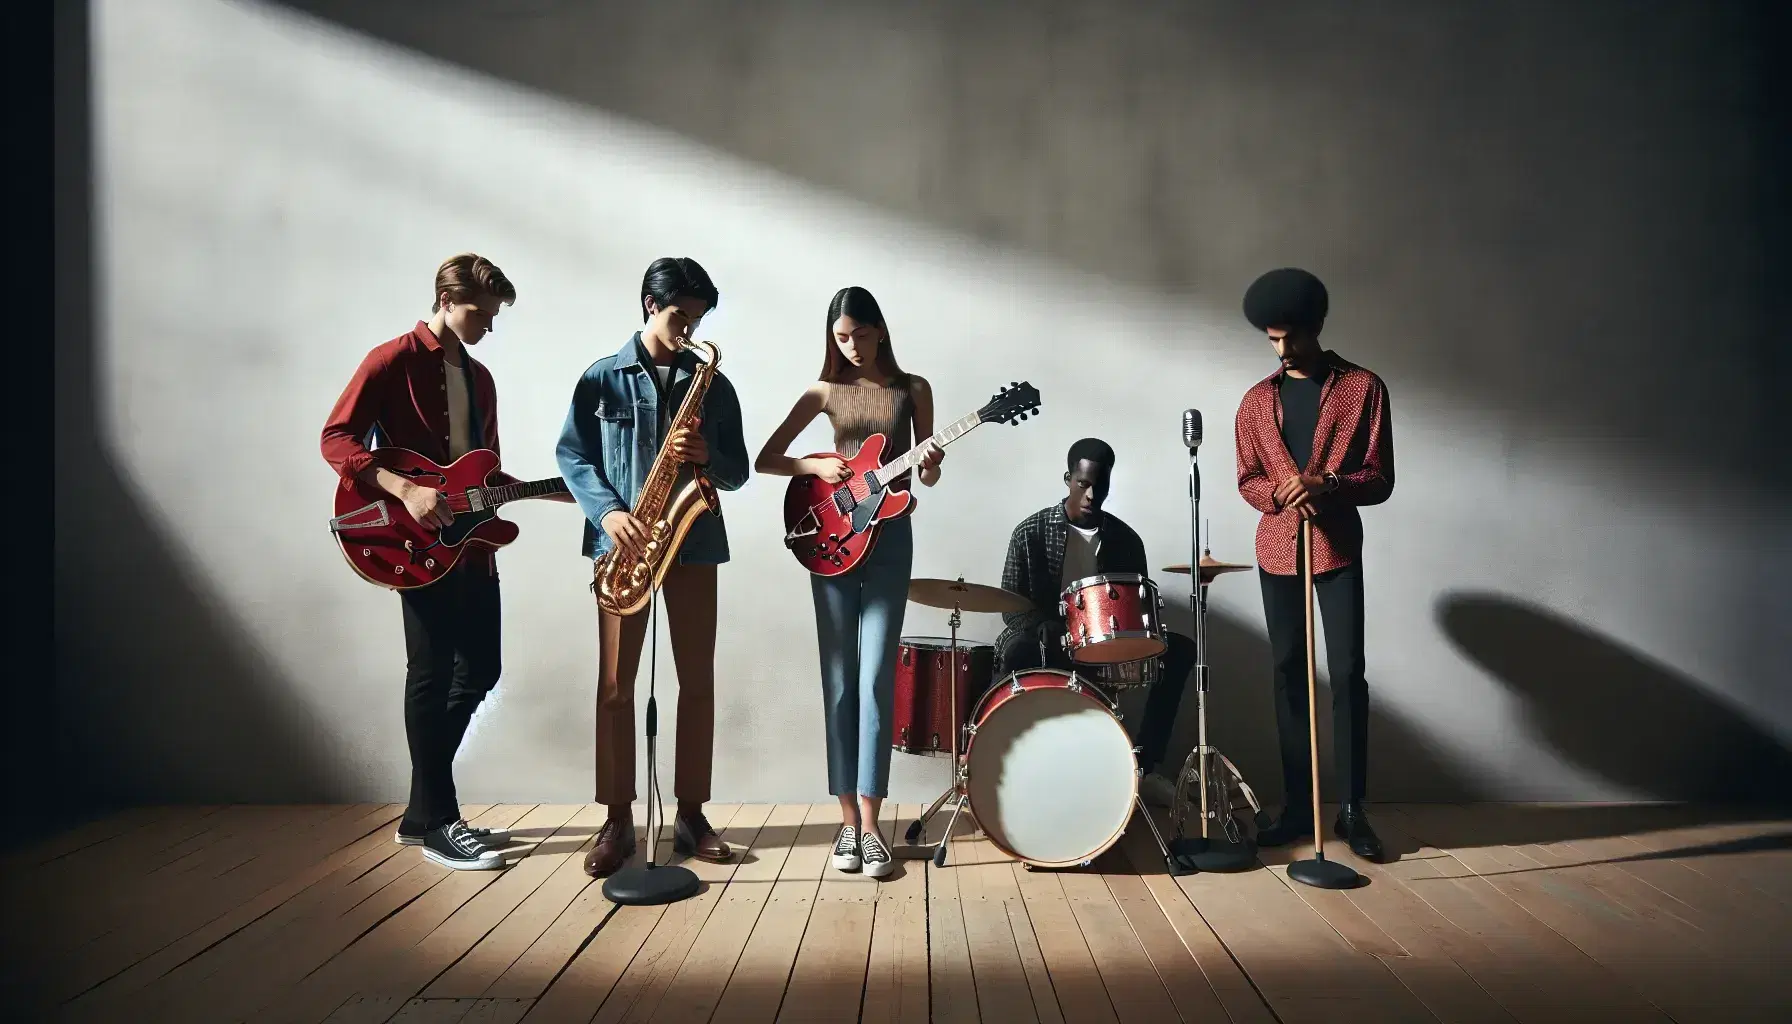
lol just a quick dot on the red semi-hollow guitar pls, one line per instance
(831, 527)
(385, 545)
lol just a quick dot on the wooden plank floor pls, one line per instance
(312, 915)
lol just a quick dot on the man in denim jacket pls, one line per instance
(615, 430)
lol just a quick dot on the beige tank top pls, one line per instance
(857, 412)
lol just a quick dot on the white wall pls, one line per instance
(272, 196)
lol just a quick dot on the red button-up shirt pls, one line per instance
(1354, 438)
(399, 396)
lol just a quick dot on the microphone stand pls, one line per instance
(1208, 852)
(651, 884)
(1316, 871)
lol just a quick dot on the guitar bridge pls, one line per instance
(351, 520)
(808, 527)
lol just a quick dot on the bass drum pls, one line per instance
(1049, 769)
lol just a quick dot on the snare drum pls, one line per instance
(1049, 770)
(1122, 675)
(1112, 618)
(922, 719)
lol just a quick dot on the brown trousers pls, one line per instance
(689, 599)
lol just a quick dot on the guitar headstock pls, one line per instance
(1012, 404)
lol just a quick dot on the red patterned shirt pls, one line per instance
(1354, 438)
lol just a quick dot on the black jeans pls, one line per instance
(453, 645)
(1152, 732)
(1340, 599)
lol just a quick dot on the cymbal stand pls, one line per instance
(917, 829)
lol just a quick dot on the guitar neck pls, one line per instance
(495, 496)
(912, 458)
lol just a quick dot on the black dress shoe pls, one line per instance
(1290, 826)
(1352, 826)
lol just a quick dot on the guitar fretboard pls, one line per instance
(912, 458)
(495, 496)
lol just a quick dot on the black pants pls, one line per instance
(1152, 732)
(1340, 599)
(452, 638)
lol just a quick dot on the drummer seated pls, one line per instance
(1072, 540)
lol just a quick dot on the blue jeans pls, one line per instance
(858, 621)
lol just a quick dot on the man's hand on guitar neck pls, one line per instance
(425, 504)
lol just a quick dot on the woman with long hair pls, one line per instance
(858, 614)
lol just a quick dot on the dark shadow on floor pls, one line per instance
(1614, 712)
(1776, 842)
(161, 697)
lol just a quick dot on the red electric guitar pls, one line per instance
(830, 527)
(387, 546)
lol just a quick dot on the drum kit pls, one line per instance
(1041, 759)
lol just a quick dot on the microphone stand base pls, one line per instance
(649, 885)
(1324, 874)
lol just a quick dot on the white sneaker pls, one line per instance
(846, 849)
(1157, 790)
(875, 854)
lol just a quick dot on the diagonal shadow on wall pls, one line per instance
(1614, 712)
(161, 696)
(1451, 158)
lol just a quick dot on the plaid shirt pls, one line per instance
(1354, 438)
(1035, 564)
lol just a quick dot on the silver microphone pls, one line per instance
(1191, 428)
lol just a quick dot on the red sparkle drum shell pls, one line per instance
(922, 712)
(1112, 618)
(1049, 770)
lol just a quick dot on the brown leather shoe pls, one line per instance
(693, 837)
(615, 845)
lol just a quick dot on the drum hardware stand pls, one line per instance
(1316, 871)
(1232, 851)
(917, 829)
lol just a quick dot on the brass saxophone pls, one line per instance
(625, 582)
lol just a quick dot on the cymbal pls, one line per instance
(970, 597)
(1210, 568)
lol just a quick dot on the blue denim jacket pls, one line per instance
(612, 436)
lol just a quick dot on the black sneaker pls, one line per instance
(846, 849)
(876, 856)
(491, 837)
(453, 846)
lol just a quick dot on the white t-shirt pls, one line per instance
(1080, 547)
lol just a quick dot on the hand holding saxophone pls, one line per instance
(626, 532)
(688, 444)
